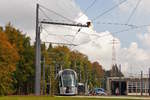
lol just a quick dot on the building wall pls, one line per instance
(133, 85)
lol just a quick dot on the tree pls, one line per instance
(8, 60)
(24, 74)
(76, 59)
(60, 57)
(97, 74)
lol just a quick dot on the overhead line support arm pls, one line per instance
(66, 24)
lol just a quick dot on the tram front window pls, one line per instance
(68, 79)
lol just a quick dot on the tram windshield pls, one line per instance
(68, 78)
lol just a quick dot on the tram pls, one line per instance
(67, 82)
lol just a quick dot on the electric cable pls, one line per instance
(45, 14)
(128, 29)
(57, 14)
(115, 6)
(90, 6)
(61, 36)
(116, 24)
(133, 11)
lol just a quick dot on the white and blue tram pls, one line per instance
(67, 82)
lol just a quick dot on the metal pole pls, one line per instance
(50, 80)
(44, 76)
(38, 47)
(149, 81)
(85, 75)
(120, 82)
(141, 83)
(38, 54)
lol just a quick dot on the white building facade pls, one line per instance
(128, 86)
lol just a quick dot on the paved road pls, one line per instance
(119, 97)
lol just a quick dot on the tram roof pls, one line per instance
(66, 70)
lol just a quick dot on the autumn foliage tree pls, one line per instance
(96, 74)
(8, 60)
(23, 72)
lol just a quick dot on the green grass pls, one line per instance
(51, 98)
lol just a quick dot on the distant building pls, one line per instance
(128, 86)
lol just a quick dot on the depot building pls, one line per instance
(128, 86)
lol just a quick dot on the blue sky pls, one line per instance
(117, 16)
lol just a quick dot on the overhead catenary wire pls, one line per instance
(90, 6)
(57, 14)
(55, 34)
(115, 6)
(60, 43)
(133, 11)
(116, 24)
(68, 42)
(102, 36)
(48, 18)
(75, 36)
(45, 14)
(128, 29)
(61, 36)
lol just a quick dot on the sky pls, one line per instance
(132, 48)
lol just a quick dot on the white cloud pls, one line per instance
(135, 54)
(99, 49)
(145, 38)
